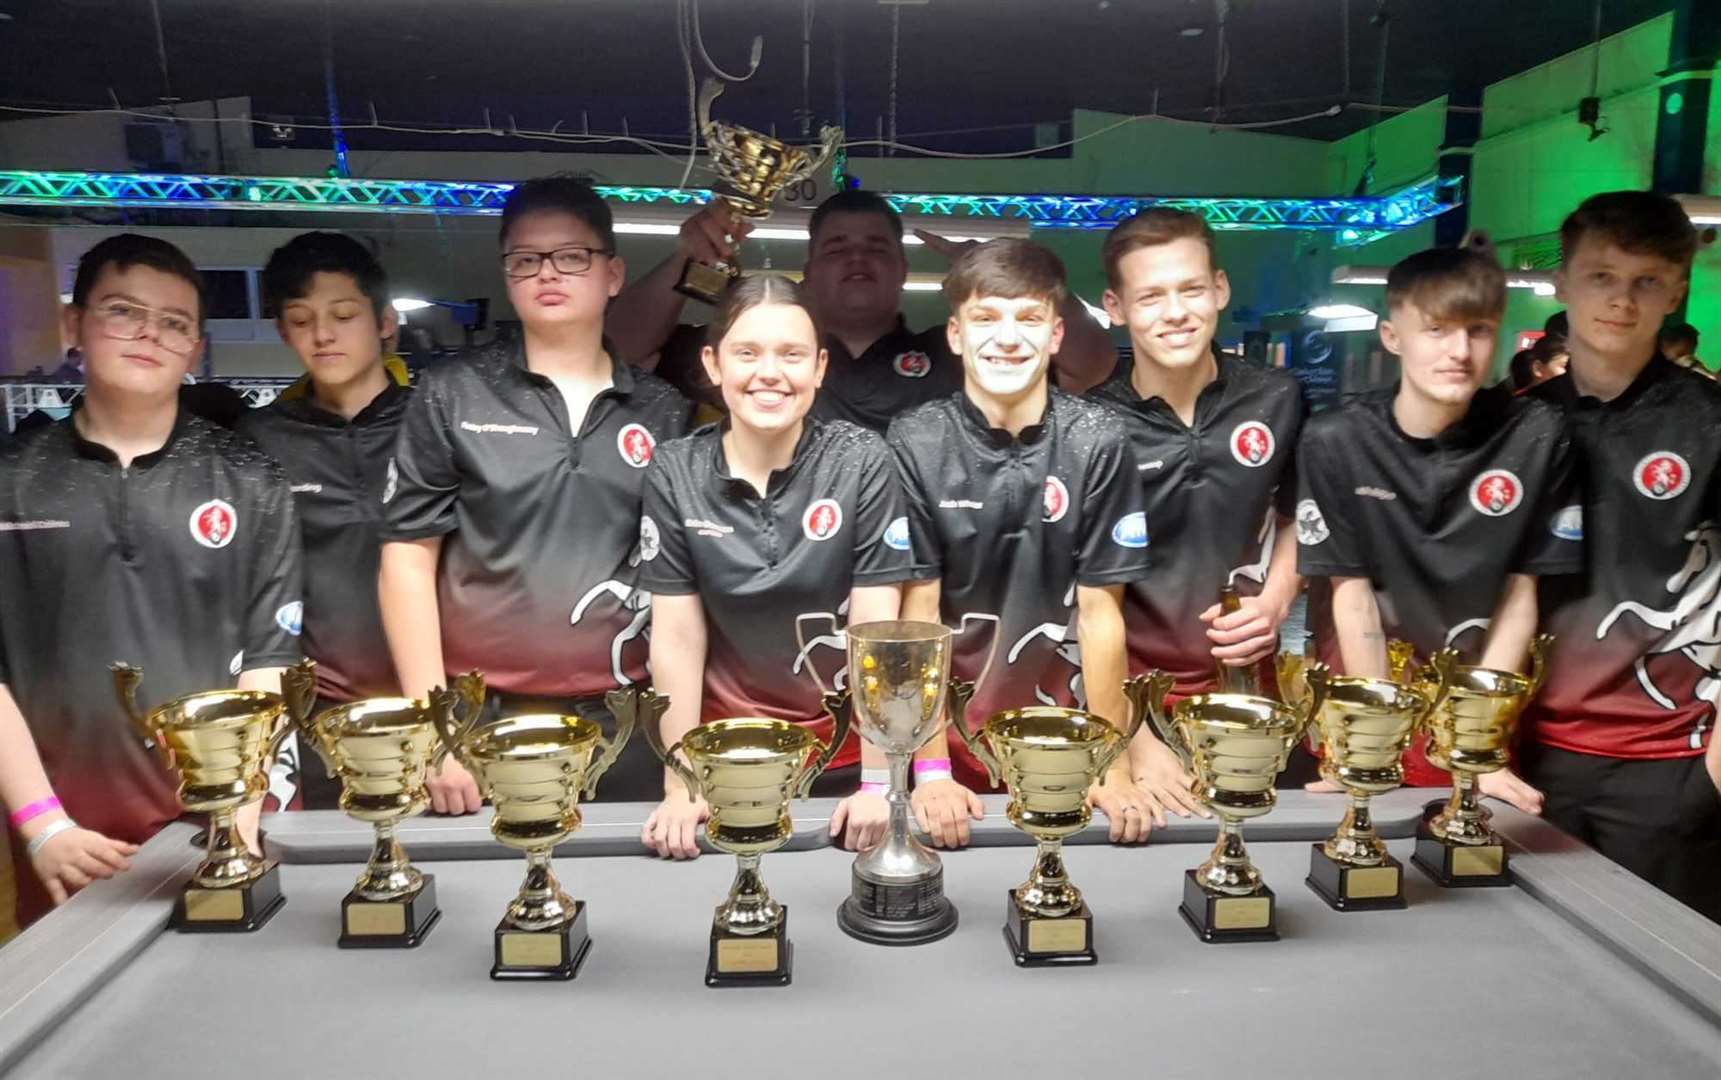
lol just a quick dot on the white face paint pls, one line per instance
(1006, 344)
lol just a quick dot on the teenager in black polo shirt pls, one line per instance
(768, 520)
(133, 531)
(334, 432)
(1622, 741)
(1428, 510)
(1025, 523)
(513, 498)
(1214, 440)
(855, 270)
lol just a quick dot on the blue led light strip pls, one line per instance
(1356, 220)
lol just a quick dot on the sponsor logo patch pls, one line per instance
(1057, 500)
(912, 365)
(1568, 524)
(896, 534)
(650, 541)
(237, 664)
(291, 617)
(635, 445)
(1662, 475)
(1496, 492)
(391, 482)
(822, 519)
(1252, 443)
(1311, 526)
(214, 523)
(1130, 531)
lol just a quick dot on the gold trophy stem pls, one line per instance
(1228, 869)
(541, 903)
(1356, 842)
(1048, 891)
(229, 861)
(1465, 819)
(388, 876)
(749, 908)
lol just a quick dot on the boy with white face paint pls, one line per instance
(1023, 513)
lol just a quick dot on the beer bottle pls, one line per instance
(1234, 680)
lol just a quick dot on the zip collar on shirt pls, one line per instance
(811, 429)
(982, 428)
(1564, 392)
(97, 452)
(386, 406)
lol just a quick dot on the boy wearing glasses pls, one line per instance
(133, 531)
(511, 506)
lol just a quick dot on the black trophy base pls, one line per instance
(389, 924)
(1356, 888)
(912, 913)
(704, 282)
(236, 910)
(766, 959)
(1460, 866)
(1218, 918)
(556, 953)
(1038, 941)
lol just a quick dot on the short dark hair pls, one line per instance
(854, 201)
(562, 193)
(288, 273)
(1448, 283)
(749, 292)
(1680, 334)
(1639, 222)
(127, 250)
(1009, 267)
(1523, 369)
(1150, 228)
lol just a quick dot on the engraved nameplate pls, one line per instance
(743, 956)
(1047, 936)
(374, 918)
(1242, 913)
(1485, 861)
(531, 950)
(1367, 883)
(214, 905)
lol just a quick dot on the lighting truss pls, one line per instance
(1354, 220)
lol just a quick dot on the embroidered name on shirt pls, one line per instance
(32, 526)
(1146, 465)
(498, 429)
(707, 528)
(1377, 493)
(306, 489)
(959, 504)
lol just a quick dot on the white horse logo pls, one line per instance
(1067, 648)
(632, 599)
(1692, 626)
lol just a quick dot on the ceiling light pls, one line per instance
(404, 304)
(1340, 311)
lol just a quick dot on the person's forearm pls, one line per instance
(406, 591)
(23, 780)
(1283, 582)
(1513, 625)
(1356, 623)
(1087, 356)
(641, 317)
(1100, 633)
(678, 671)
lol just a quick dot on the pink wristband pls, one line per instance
(25, 814)
(938, 765)
(874, 789)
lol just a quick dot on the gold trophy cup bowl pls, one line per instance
(380, 748)
(1470, 734)
(748, 770)
(221, 743)
(1048, 758)
(752, 167)
(1235, 745)
(534, 769)
(1364, 728)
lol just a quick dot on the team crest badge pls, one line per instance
(636, 445)
(912, 365)
(1496, 492)
(1662, 475)
(1311, 525)
(1057, 500)
(650, 542)
(822, 519)
(214, 523)
(1252, 443)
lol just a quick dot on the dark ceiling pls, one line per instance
(973, 75)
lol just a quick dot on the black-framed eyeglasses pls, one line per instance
(568, 260)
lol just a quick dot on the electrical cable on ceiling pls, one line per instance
(895, 60)
(161, 53)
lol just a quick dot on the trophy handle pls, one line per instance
(801, 644)
(1444, 663)
(468, 692)
(653, 728)
(991, 653)
(1141, 692)
(1399, 657)
(961, 692)
(840, 705)
(627, 705)
(299, 690)
(1540, 646)
(709, 91)
(1316, 676)
(1155, 685)
(126, 680)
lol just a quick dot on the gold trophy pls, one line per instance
(1470, 733)
(533, 768)
(221, 743)
(747, 770)
(1236, 745)
(380, 748)
(1049, 757)
(753, 168)
(1363, 728)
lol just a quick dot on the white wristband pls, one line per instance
(51, 830)
(876, 776)
(927, 776)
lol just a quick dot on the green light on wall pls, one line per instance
(1675, 102)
